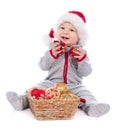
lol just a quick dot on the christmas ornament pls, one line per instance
(62, 87)
(52, 93)
(73, 52)
(66, 96)
(36, 93)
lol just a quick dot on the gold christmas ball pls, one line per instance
(66, 96)
(62, 87)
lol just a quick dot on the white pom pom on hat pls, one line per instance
(47, 39)
(77, 19)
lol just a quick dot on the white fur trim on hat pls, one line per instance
(77, 22)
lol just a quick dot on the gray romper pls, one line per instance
(66, 69)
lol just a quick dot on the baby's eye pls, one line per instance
(72, 30)
(62, 28)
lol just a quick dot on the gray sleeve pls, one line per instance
(84, 67)
(46, 62)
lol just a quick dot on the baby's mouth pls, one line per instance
(64, 37)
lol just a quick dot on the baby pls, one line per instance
(66, 61)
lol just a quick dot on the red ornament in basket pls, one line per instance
(36, 93)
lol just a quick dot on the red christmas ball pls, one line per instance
(42, 92)
(63, 46)
(72, 52)
(37, 92)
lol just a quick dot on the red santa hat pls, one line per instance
(77, 19)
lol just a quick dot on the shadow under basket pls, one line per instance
(53, 109)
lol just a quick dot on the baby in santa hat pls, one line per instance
(66, 61)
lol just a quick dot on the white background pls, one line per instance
(22, 25)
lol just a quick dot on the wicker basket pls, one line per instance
(53, 109)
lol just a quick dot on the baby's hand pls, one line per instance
(77, 53)
(58, 48)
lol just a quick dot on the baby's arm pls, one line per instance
(46, 62)
(84, 67)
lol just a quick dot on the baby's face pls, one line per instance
(68, 34)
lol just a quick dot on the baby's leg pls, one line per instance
(82, 92)
(18, 102)
(91, 107)
(97, 110)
